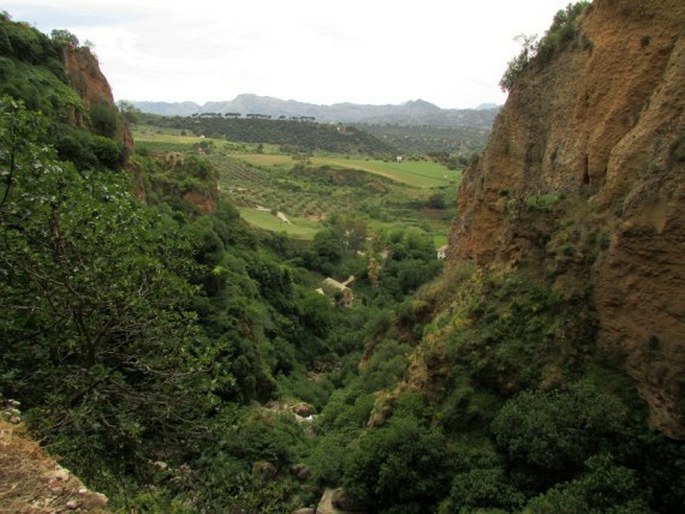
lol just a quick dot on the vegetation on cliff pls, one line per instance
(534, 52)
(86, 131)
(180, 361)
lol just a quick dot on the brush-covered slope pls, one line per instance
(594, 132)
(61, 79)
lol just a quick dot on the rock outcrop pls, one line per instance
(90, 83)
(603, 120)
(31, 481)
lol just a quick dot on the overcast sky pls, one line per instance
(448, 52)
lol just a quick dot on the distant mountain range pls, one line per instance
(413, 112)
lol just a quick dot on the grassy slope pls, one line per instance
(298, 228)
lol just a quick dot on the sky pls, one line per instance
(448, 52)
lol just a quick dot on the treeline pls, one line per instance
(425, 139)
(236, 115)
(304, 136)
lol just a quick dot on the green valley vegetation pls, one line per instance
(300, 134)
(459, 142)
(137, 334)
(180, 360)
(309, 188)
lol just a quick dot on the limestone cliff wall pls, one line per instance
(604, 120)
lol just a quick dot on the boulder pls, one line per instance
(303, 409)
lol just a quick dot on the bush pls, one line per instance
(519, 63)
(551, 434)
(104, 118)
(398, 467)
(605, 487)
(561, 33)
(108, 153)
(482, 489)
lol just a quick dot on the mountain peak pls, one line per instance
(420, 104)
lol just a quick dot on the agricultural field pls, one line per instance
(308, 189)
(295, 227)
(422, 174)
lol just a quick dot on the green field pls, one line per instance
(388, 194)
(263, 159)
(298, 228)
(423, 174)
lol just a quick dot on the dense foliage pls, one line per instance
(31, 69)
(174, 357)
(426, 139)
(140, 331)
(296, 134)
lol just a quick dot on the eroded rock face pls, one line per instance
(91, 84)
(606, 120)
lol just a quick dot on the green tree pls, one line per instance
(519, 63)
(604, 487)
(352, 231)
(94, 318)
(64, 37)
(436, 201)
(551, 434)
(18, 147)
(104, 119)
(482, 489)
(398, 466)
(130, 112)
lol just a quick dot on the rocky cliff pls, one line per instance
(87, 79)
(603, 121)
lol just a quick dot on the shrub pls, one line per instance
(397, 467)
(482, 488)
(605, 487)
(108, 153)
(558, 37)
(104, 119)
(551, 434)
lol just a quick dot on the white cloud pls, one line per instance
(380, 51)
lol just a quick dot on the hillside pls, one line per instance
(602, 125)
(426, 139)
(170, 355)
(179, 360)
(545, 366)
(413, 112)
(31, 481)
(63, 80)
